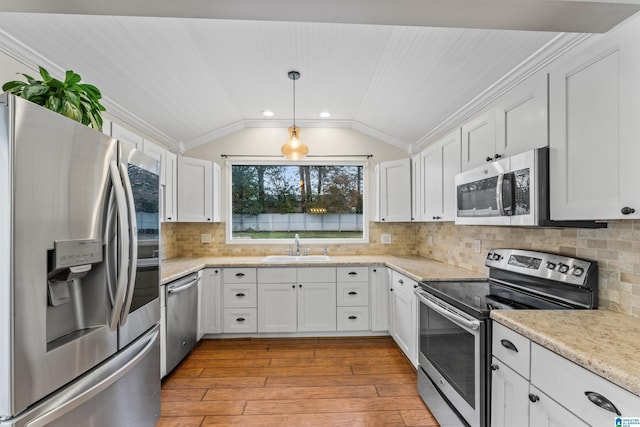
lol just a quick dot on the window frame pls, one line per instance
(257, 161)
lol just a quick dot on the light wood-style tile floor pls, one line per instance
(294, 382)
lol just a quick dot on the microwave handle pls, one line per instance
(499, 195)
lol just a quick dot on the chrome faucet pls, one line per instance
(297, 239)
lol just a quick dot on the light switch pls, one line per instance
(205, 238)
(386, 239)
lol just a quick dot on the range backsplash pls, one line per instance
(616, 248)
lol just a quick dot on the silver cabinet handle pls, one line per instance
(123, 237)
(601, 401)
(465, 323)
(174, 290)
(133, 238)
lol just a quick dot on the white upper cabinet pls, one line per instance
(439, 165)
(158, 153)
(595, 128)
(394, 201)
(171, 187)
(195, 190)
(522, 117)
(516, 122)
(126, 136)
(479, 140)
(416, 200)
(217, 191)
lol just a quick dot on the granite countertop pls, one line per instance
(417, 268)
(601, 341)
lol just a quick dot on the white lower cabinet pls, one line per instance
(239, 296)
(163, 333)
(277, 300)
(379, 277)
(239, 320)
(316, 307)
(559, 393)
(403, 325)
(211, 302)
(509, 390)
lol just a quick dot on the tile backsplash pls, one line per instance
(616, 248)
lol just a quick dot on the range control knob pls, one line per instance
(551, 265)
(577, 271)
(490, 256)
(563, 268)
(497, 257)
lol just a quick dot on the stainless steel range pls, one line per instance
(455, 332)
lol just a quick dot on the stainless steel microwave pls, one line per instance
(510, 191)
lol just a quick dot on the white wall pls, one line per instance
(9, 67)
(321, 142)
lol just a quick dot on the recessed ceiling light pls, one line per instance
(267, 113)
(325, 114)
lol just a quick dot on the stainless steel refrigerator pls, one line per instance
(79, 274)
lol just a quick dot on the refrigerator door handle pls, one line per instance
(123, 239)
(133, 237)
(96, 382)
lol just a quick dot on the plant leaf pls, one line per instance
(32, 91)
(53, 103)
(27, 77)
(55, 83)
(91, 90)
(71, 78)
(13, 86)
(71, 111)
(45, 75)
(73, 98)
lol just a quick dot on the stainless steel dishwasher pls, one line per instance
(182, 321)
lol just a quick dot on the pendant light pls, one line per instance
(294, 149)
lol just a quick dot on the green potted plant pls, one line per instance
(78, 101)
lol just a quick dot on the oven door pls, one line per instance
(479, 195)
(452, 354)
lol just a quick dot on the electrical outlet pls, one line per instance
(386, 239)
(477, 246)
(205, 238)
(430, 240)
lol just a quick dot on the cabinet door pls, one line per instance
(594, 128)
(211, 315)
(450, 168)
(379, 277)
(158, 153)
(431, 162)
(195, 180)
(546, 412)
(416, 192)
(126, 136)
(404, 323)
(217, 196)
(522, 117)
(509, 397)
(395, 191)
(171, 187)
(479, 140)
(277, 304)
(316, 307)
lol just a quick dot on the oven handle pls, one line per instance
(469, 324)
(499, 196)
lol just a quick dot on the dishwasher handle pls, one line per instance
(174, 289)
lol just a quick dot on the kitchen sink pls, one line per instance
(295, 259)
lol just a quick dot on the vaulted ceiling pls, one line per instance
(191, 81)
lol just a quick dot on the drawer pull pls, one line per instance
(353, 273)
(239, 294)
(400, 281)
(240, 319)
(509, 345)
(239, 274)
(353, 317)
(352, 293)
(494, 367)
(601, 401)
(533, 398)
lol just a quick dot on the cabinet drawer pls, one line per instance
(239, 275)
(239, 295)
(353, 318)
(353, 294)
(511, 348)
(353, 274)
(277, 275)
(567, 383)
(240, 320)
(317, 275)
(403, 284)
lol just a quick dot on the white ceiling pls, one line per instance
(190, 81)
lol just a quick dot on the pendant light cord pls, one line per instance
(294, 103)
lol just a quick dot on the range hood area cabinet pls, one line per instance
(595, 128)
(198, 190)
